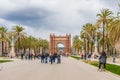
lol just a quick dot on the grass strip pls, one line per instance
(109, 67)
(76, 57)
(3, 61)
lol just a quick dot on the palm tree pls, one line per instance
(19, 33)
(77, 44)
(114, 30)
(44, 44)
(104, 18)
(89, 32)
(83, 37)
(3, 30)
(23, 41)
(29, 43)
(35, 45)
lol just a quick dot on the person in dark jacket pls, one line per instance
(42, 57)
(46, 57)
(58, 58)
(51, 58)
(102, 60)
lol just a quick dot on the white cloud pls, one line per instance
(67, 16)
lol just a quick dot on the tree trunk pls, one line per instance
(84, 46)
(108, 51)
(88, 46)
(103, 36)
(39, 49)
(2, 47)
(29, 50)
(18, 43)
(24, 50)
(98, 48)
(91, 47)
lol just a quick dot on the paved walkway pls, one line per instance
(69, 69)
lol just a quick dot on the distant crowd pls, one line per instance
(44, 57)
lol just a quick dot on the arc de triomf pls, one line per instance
(55, 40)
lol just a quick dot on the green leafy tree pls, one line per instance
(3, 30)
(104, 17)
(20, 34)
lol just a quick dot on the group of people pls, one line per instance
(52, 58)
(29, 56)
(88, 56)
(45, 58)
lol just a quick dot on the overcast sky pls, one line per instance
(42, 17)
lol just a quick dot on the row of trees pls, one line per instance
(106, 29)
(24, 41)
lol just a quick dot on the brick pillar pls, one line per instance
(67, 45)
(51, 43)
(69, 39)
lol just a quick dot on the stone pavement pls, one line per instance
(69, 69)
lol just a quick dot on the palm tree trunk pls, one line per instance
(103, 35)
(98, 48)
(91, 47)
(2, 47)
(18, 43)
(88, 45)
(84, 45)
(29, 50)
(24, 50)
(108, 48)
(2, 35)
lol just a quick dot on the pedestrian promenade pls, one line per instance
(69, 69)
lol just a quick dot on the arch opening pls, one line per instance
(61, 47)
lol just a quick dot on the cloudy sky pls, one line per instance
(42, 17)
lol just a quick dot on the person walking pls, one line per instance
(114, 58)
(46, 57)
(42, 57)
(22, 55)
(51, 58)
(58, 58)
(54, 56)
(102, 60)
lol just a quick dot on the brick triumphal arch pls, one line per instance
(55, 40)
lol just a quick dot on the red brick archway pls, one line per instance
(55, 40)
